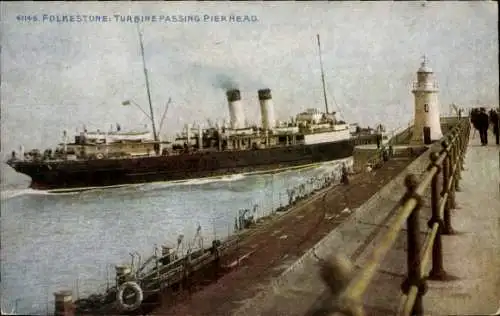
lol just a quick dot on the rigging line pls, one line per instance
(322, 73)
(338, 107)
(164, 115)
(323, 81)
(339, 110)
(147, 84)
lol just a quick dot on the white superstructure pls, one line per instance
(336, 135)
(111, 137)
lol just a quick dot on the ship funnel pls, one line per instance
(266, 109)
(237, 117)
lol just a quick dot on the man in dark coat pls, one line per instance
(474, 114)
(495, 122)
(483, 122)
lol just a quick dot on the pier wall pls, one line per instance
(401, 138)
(298, 286)
(368, 154)
(365, 155)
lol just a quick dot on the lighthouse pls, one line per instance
(426, 116)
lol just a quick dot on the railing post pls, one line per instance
(460, 158)
(466, 127)
(437, 271)
(414, 277)
(447, 229)
(452, 173)
(463, 145)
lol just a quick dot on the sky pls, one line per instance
(57, 76)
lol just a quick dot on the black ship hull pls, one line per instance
(72, 174)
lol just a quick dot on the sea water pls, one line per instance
(53, 242)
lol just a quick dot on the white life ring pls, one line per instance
(139, 296)
(99, 156)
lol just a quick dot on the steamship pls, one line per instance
(97, 159)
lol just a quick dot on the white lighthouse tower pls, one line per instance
(426, 91)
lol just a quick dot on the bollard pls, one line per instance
(123, 274)
(414, 248)
(64, 304)
(447, 229)
(437, 272)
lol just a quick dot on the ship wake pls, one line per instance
(9, 194)
(193, 182)
(328, 166)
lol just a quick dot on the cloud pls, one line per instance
(81, 72)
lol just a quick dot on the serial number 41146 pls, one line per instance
(27, 18)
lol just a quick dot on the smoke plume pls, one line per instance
(222, 77)
(225, 82)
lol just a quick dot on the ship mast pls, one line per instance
(322, 74)
(147, 85)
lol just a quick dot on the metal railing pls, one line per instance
(425, 85)
(446, 164)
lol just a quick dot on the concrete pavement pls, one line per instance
(473, 255)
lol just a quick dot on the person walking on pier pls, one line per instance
(474, 114)
(345, 175)
(483, 122)
(495, 122)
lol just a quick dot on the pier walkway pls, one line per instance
(473, 254)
